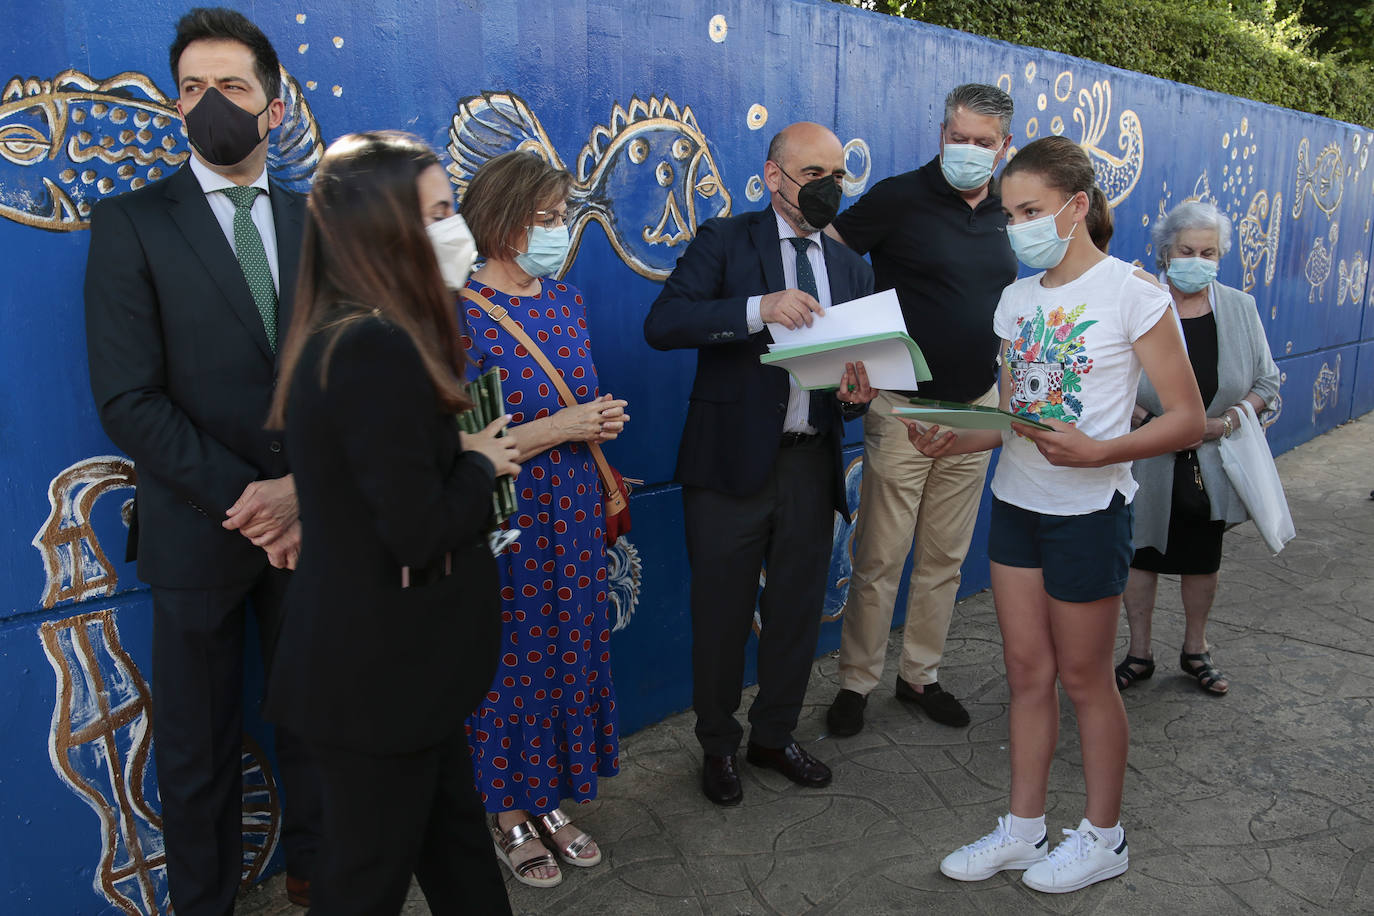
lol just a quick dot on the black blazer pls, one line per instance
(383, 483)
(182, 372)
(734, 420)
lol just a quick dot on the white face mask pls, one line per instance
(1037, 243)
(967, 166)
(454, 248)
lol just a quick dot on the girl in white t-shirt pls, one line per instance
(1074, 340)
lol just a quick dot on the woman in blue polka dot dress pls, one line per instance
(546, 730)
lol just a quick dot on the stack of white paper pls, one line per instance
(870, 330)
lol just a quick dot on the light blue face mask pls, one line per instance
(1188, 275)
(1036, 242)
(965, 166)
(545, 252)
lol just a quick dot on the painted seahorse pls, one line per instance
(1257, 243)
(1116, 175)
(70, 140)
(648, 176)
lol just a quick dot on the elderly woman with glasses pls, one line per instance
(546, 730)
(1185, 500)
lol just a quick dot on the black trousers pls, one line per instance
(389, 816)
(198, 645)
(788, 524)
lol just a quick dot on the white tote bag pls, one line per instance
(1247, 460)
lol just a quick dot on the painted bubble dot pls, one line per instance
(718, 28)
(858, 165)
(300, 18)
(1041, 101)
(337, 90)
(1056, 125)
(1032, 128)
(1145, 220)
(1030, 71)
(311, 84)
(303, 47)
(757, 116)
(338, 41)
(753, 188)
(1004, 82)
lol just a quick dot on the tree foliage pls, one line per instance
(1249, 48)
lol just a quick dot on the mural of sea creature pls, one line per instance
(1256, 242)
(623, 574)
(648, 176)
(1324, 179)
(1351, 279)
(68, 141)
(1318, 266)
(1326, 387)
(1116, 175)
(100, 745)
(841, 551)
(73, 560)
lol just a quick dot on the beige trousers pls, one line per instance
(906, 496)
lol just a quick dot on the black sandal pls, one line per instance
(1207, 674)
(1126, 675)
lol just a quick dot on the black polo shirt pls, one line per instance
(948, 263)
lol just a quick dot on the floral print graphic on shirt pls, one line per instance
(1047, 360)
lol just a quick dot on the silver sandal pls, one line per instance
(556, 820)
(507, 841)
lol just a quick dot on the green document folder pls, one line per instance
(891, 358)
(488, 403)
(962, 416)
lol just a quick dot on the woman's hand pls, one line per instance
(613, 418)
(595, 421)
(1064, 445)
(500, 451)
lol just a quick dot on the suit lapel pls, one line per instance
(288, 216)
(763, 230)
(193, 216)
(840, 290)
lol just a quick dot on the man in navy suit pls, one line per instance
(188, 288)
(759, 462)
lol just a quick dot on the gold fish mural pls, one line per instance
(75, 565)
(1350, 279)
(1318, 267)
(1116, 174)
(1326, 387)
(648, 176)
(1323, 180)
(1258, 243)
(71, 140)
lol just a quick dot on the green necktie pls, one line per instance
(253, 258)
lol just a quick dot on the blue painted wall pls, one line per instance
(599, 74)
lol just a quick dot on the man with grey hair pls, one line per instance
(938, 236)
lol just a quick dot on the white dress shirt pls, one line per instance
(798, 400)
(211, 182)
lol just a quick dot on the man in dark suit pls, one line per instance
(187, 283)
(759, 462)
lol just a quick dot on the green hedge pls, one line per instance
(1206, 43)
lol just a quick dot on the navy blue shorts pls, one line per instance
(1082, 557)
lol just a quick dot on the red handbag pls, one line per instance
(615, 501)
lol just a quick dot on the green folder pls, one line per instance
(488, 403)
(962, 416)
(817, 366)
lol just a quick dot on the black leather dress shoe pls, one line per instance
(793, 762)
(720, 780)
(846, 714)
(298, 891)
(935, 702)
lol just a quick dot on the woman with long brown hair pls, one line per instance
(393, 615)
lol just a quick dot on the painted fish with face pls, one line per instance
(1323, 179)
(68, 141)
(1326, 387)
(648, 176)
(1318, 266)
(1257, 243)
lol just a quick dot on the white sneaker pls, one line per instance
(995, 852)
(1081, 859)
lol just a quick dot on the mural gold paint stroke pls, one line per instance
(1318, 267)
(89, 138)
(648, 176)
(1351, 280)
(1323, 179)
(73, 560)
(1257, 243)
(1116, 175)
(1326, 387)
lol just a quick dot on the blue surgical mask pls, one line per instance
(967, 167)
(545, 252)
(1188, 275)
(1037, 243)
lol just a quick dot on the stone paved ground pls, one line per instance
(1261, 801)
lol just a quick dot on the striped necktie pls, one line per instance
(818, 407)
(253, 258)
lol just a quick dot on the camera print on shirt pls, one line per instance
(1047, 360)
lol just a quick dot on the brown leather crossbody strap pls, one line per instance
(615, 498)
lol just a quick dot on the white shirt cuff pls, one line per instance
(752, 317)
